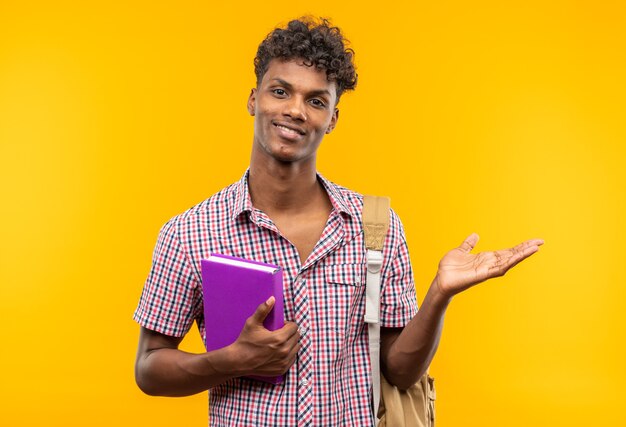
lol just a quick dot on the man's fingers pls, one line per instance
(524, 253)
(289, 329)
(263, 310)
(469, 243)
(509, 258)
(528, 244)
(524, 250)
(518, 252)
(520, 259)
(293, 340)
(294, 353)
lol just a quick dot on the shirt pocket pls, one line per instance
(345, 286)
(345, 274)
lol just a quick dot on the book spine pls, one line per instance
(276, 319)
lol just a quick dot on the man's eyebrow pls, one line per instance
(283, 82)
(290, 86)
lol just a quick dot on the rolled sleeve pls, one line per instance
(398, 303)
(169, 299)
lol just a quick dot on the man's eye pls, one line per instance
(317, 102)
(280, 92)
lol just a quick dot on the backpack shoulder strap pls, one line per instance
(375, 227)
(375, 221)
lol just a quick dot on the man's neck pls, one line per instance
(277, 188)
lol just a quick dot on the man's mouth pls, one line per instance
(289, 131)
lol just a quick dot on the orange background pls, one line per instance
(504, 118)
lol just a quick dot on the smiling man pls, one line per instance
(283, 212)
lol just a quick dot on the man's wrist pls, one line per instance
(439, 295)
(226, 361)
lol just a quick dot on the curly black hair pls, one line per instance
(317, 43)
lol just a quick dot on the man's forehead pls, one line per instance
(296, 72)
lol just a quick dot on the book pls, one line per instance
(233, 288)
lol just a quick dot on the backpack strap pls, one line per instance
(375, 221)
(375, 227)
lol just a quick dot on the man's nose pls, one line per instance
(296, 109)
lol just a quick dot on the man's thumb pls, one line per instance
(263, 310)
(469, 243)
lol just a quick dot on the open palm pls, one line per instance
(460, 269)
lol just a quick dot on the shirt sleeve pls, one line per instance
(169, 300)
(398, 303)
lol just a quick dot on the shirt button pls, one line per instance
(304, 382)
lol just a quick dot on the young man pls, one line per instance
(283, 212)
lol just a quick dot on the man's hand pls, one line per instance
(459, 269)
(263, 352)
(161, 369)
(407, 353)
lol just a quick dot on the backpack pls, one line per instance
(414, 407)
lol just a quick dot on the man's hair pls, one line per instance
(317, 43)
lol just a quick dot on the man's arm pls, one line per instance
(407, 352)
(161, 369)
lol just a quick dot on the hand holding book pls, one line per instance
(243, 310)
(262, 352)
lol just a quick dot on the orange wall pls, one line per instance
(504, 118)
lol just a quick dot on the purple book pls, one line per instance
(233, 288)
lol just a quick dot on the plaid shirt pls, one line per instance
(329, 384)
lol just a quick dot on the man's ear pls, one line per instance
(333, 121)
(252, 101)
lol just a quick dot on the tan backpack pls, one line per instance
(414, 407)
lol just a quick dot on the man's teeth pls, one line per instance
(288, 130)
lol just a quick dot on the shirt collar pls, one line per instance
(335, 194)
(243, 202)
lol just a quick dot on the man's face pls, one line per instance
(293, 108)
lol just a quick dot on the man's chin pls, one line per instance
(285, 153)
(287, 159)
